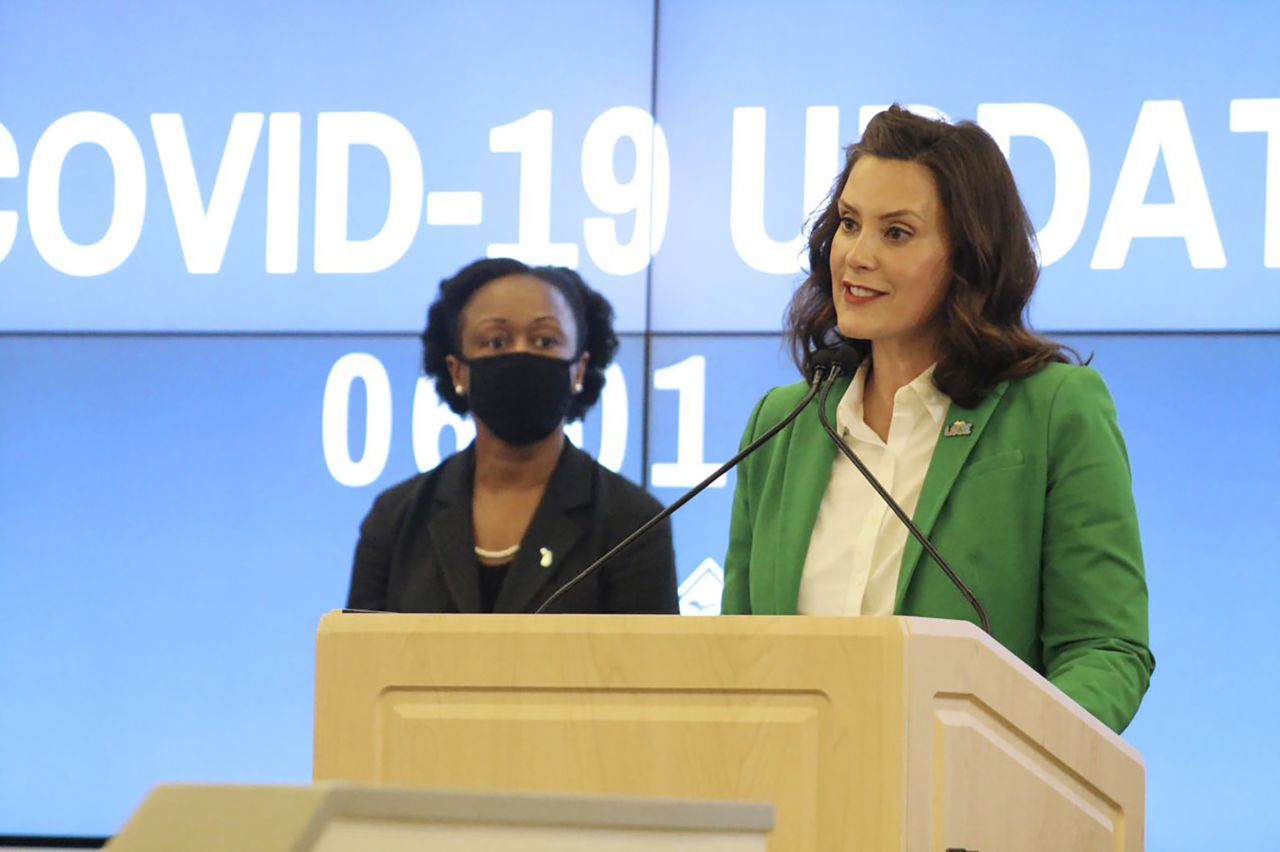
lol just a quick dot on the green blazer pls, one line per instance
(1033, 508)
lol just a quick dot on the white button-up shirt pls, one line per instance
(855, 550)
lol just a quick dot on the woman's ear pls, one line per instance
(459, 375)
(580, 372)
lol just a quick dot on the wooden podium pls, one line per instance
(864, 733)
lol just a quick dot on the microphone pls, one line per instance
(825, 370)
(846, 359)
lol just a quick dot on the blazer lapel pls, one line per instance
(555, 528)
(948, 460)
(452, 532)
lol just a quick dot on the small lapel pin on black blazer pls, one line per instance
(415, 552)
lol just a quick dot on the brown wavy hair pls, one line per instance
(983, 337)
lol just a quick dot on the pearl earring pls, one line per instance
(459, 390)
(577, 388)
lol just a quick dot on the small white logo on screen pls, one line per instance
(700, 591)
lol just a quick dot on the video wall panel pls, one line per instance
(220, 228)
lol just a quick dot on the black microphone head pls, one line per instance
(842, 357)
(820, 363)
(846, 358)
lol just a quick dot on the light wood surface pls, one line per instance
(865, 733)
(360, 818)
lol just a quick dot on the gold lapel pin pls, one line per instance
(545, 561)
(960, 428)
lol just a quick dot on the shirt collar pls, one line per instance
(849, 413)
(935, 401)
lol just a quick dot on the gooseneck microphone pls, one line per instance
(824, 372)
(846, 360)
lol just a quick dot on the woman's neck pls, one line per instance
(891, 369)
(896, 366)
(501, 466)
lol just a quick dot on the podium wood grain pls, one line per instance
(865, 733)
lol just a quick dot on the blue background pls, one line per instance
(161, 467)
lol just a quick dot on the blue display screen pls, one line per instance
(221, 226)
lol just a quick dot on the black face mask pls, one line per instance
(521, 397)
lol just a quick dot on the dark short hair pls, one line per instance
(983, 334)
(592, 315)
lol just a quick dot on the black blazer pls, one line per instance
(415, 552)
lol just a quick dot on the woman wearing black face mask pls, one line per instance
(500, 526)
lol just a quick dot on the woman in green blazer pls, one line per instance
(924, 261)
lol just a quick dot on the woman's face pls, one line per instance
(516, 313)
(889, 257)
